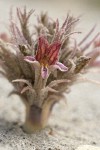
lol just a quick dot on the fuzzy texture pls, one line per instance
(43, 64)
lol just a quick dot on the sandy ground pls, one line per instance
(73, 124)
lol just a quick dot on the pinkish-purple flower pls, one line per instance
(47, 56)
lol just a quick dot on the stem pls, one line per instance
(39, 81)
(36, 117)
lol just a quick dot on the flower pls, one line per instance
(47, 56)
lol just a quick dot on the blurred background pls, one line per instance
(89, 9)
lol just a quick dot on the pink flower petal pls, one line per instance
(42, 48)
(44, 72)
(60, 66)
(53, 58)
(30, 59)
(53, 52)
(54, 47)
